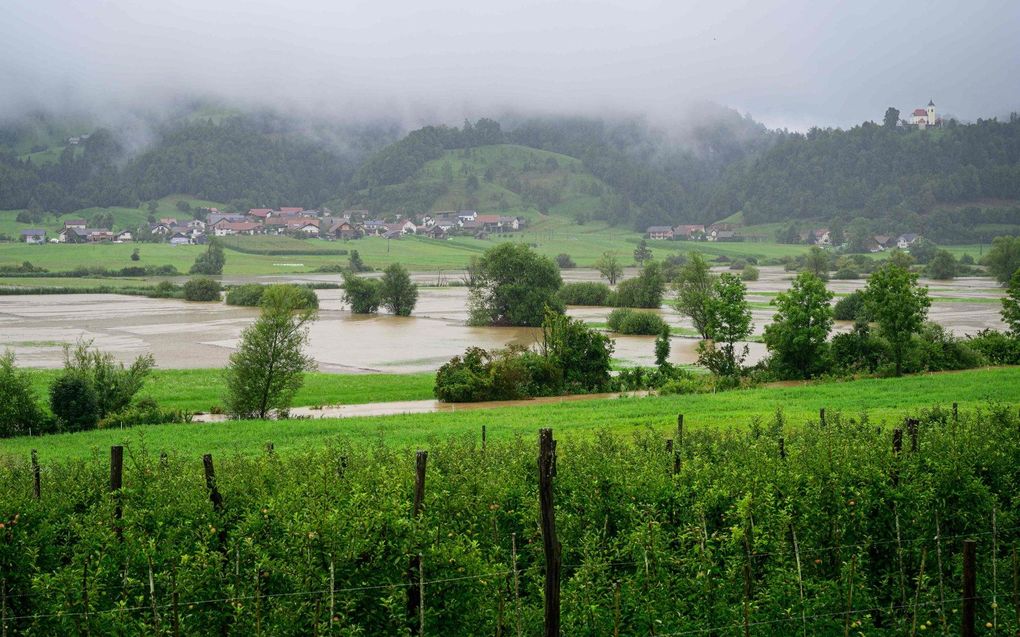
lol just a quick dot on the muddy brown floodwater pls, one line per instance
(181, 334)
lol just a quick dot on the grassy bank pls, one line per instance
(200, 389)
(884, 400)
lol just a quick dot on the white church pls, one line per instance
(925, 117)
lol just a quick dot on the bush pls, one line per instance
(846, 273)
(146, 412)
(738, 264)
(586, 293)
(201, 289)
(998, 348)
(166, 290)
(565, 262)
(645, 290)
(851, 307)
(250, 295)
(211, 261)
(858, 350)
(749, 273)
(73, 401)
(19, 412)
(361, 294)
(936, 349)
(627, 321)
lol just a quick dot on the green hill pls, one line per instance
(497, 178)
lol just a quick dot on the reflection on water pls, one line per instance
(181, 334)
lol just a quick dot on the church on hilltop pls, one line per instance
(925, 117)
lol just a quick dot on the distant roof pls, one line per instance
(931, 103)
(660, 229)
(920, 111)
(33, 232)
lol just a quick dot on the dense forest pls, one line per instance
(892, 176)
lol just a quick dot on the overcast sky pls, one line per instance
(789, 64)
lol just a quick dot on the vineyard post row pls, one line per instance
(551, 545)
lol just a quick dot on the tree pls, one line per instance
(609, 267)
(512, 285)
(152, 206)
(892, 118)
(1003, 259)
(923, 250)
(361, 294)
(642, 252)
(942, 266)
(816, 261)
(796, 338)
(183, 206)
(900, 259)
(211, 261)
(694, 291)
(355, 263)
(729, 321)
(581, 353)
(564, 261)
(396, 292)
(201, 288)
(19, 411)
(1011, 305)
(135, 255)
(898, 305)
(662, 349)
(268, 367)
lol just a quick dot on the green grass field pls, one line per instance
(884, 400)
(199, 389)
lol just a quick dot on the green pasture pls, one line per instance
(885, 401)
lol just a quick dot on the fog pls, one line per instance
(788, 64)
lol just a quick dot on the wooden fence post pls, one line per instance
(483, 438)
(821, 416)
(956, 412)
(553, 550)
(969, 626)
(678, 444)
(782, 448)
(912, 424)
(414, 598)
(36, 486)
(214, 496)
(116, 482)
(897, 447)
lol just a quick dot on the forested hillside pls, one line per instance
(958, 182)
(875, 171)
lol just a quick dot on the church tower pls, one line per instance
(931, 113)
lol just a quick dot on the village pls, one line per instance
(726, 232)
(291, 221)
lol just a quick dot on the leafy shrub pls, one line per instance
(936, 349)
(19, 412)
(166, 290)
(738, 264)
(851, 307)
(114, 385)
(645, 290)
(250, 295)
(145, 412)
(858, 350)
(749, 273)
(361, 294)
(74, 402)
(846, 273)
(627, 321)
(565, 262)
(998, 348)
(586, 293)
(201, 289)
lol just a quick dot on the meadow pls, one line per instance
(884, 400)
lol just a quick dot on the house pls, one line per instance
(437, 232)
(660, 232)
(724, 235)
(689, 232)
(215, 217)
(393, 234)
(72, 235)
(821, 237)
(196, 224)
(491, 223)
(375, 226)
(33, 236)
(260, 213)
(170, 221)
(904, 241)
(161, 229)
(467, 215)
(180, 238)
(289, 212)
(75, 223)
(880, 242)
(471, 226)
(408, 227)
(226, 228)
(306, 226)
(714, 230)
(98, 235)
(124, 235)
(344, 230)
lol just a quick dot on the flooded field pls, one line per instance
(181, 334)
